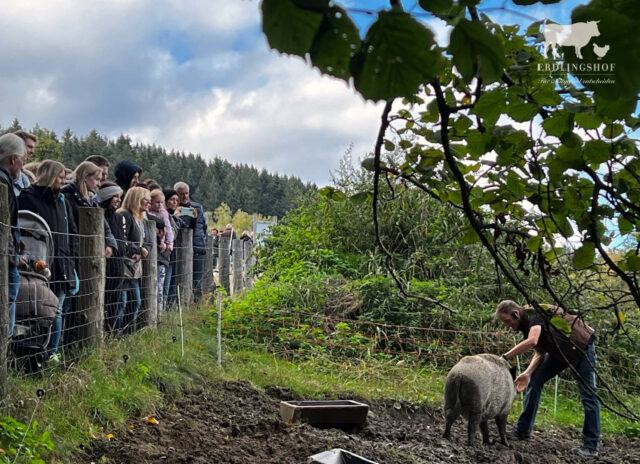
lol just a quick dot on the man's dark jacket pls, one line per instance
(14, 237)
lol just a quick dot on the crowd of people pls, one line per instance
(55, 193)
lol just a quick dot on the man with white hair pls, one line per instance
(197, 222)
(30, 140)
(12, 153)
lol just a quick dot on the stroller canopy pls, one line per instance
(35, 237)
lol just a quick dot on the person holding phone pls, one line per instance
(196, 221)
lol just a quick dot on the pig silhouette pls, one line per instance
(480, 388)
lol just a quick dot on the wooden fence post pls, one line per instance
(224, 263)
(184, 264)
(149, 283)
(92, 275)
(246, 264)
(237, 266)
(207, 276)
(5, 230)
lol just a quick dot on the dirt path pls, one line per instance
(233, 422)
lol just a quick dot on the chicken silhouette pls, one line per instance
(600, 51)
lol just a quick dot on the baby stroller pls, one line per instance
(37, 304)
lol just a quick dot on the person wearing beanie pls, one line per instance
(12, 154)
(127, 174)
(110, 200)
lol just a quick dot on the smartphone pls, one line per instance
(186, 211)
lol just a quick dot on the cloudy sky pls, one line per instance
(195, 76)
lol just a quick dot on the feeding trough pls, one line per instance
(338, 456)
(335, 413)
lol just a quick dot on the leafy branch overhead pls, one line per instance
(538, 154)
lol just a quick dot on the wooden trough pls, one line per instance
(336, 413)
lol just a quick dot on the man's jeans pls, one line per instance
(14, 287)
(549, 368)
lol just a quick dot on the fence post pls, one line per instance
(92, 274)
(224, 263)
(4, 286)
(184, 264)
(149, 282)
(207, 276)
(237, 266)
(246, 264)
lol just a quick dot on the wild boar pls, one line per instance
(481, 388)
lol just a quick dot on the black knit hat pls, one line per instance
(168, 193)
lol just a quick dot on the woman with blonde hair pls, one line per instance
(133, 210)
(44, 199)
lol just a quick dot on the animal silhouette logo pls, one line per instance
(576, 35)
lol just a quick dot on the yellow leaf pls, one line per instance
(2, 451)
(110, 436)
(621, 318)
(200, 346)
(131, 427)
(227, 437)
(151, 420)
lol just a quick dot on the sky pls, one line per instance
(195, 76)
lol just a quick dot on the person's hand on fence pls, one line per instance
(169, 247)
(135, 256)
(521, 382)
(162, 246)
(144, 252)
(108, 252)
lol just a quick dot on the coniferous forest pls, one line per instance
(212, 183)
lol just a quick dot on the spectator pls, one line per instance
(127, 175)
(110, 194)
(198, 223)
(12, 154)
(133, 210)
(215, 239)
(171, 202)
(229, 232)
(80, 193)
(165, 239)
(44, 198)
(23, 181)
(103, 164)
(246, 237)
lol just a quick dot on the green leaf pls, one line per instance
(369, 164)
(547, 97)
(479, 143)
(332, 193)
(584, 256)
(336, 42)
(397, 56)
(289, 29)
(561, 324)
(596, 151)
(588, 121)
(534, 243)
(633, 262)
(490, 106)
(612, 130)
(388, 145)
(436, 6)
(618, 23)
(515, 184)
(476, 51)
(470, 237)
(570, 140)
(625, 227)
(521, 111)
(558, 123)
(360, 197)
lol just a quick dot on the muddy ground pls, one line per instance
(234, 422)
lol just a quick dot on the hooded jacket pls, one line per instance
(56, 211)
(124, 172)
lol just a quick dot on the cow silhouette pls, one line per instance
(575, 35)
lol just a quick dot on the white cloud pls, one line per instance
(195, 76)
